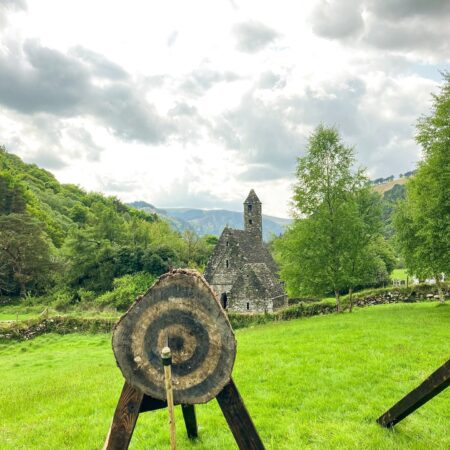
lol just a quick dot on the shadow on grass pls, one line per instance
(443, 305)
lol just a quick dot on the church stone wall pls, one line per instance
(249, 295)
(253, 215)
(223, 270)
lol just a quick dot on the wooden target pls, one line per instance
(182, 312)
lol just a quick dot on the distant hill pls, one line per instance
(212, 221)
(391, 193)
(384, 187)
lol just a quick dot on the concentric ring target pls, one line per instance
(180, 310)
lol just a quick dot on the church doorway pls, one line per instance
(224, 300)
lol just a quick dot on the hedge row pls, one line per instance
(63, 325)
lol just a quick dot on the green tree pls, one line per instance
(326, 248)
(25, 258)
(12, 196)
(422, 220)
(365, 261)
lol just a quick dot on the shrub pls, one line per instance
(125, 290)
(63, 300)
(86, 296)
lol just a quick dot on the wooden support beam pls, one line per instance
(190, 420)
(435, 383)
(152, 404)
(125, 418)
(238, 418)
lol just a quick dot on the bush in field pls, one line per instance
(125, 290)
(63, 300)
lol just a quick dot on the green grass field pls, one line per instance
(311, 383)
(399, 274)
(20, 313)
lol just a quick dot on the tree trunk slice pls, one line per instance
(182, 312)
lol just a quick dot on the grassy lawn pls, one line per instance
(19, 312)
(9, 316)
(399, 274)
(311, 383)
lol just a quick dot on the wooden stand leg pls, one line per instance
(435, 383)
(124, 420)
(190, 420)
(151, 404)
(238, 418)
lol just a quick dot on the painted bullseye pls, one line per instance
(196, 337)
(147, 343)
(180, 340)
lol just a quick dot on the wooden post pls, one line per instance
(190, 420)
(125, 418)
(238, 418)
(435, 383)
(167, 362)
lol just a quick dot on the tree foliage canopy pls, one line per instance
(422, 220)
(329, 247)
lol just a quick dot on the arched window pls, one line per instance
(248, 306)
(227, 264)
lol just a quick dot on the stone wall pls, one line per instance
(399, 295)
(248, 294)
(61, 325)
(253, 218)
(224, 268)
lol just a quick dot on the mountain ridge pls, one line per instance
(213, 221)
(210, 221)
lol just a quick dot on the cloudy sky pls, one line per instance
(193, 103)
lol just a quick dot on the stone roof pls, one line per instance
(252, 197)
(253, 251)
(266, 277)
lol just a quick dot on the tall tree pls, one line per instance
(422, 220)
(327, 245)
(25, 258)
(363, 263)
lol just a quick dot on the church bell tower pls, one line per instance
(253, 215)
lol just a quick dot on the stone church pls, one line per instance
(241, 269)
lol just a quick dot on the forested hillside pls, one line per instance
(59, 240)
(390, 198)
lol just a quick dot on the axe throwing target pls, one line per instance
(182, 312)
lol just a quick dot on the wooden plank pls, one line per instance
(435, 383)
(190, 420)
(238, 418)
(152, 404)
(125, 418)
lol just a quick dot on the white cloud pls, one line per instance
(182, 111)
